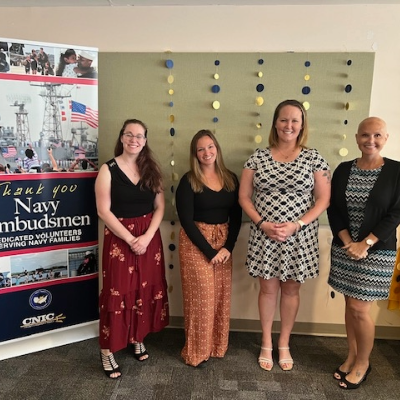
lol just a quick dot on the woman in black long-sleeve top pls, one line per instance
(210, 215)
(364, 214)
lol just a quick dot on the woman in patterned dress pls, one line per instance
(130, 201)
(363, 215)
(210, 215)
(291, 187)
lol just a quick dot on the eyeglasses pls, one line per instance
(129, 136)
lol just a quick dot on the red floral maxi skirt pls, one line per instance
(133, 300)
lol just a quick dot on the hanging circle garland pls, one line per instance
(348, 87)
(169, 64)
(216, 89)
(306, 89)
(259, 101)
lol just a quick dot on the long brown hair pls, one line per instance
(149, 168)
(273, 139)
(195, 174)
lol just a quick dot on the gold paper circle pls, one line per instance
(258, 139)
(173, 202)
(306, 105)
(260, 74)
(343, 152)
(175, 176)
(172, 235)
(170, 79)
(172, 162)
(171, 118)
(259, 125)
(347, 106)
(171, 91)
(216, 105)
(259, 101)
(216, 76)
(307, 77)
(344, 137)
(170, 288)
(398, 266)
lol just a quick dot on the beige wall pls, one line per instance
(243, 29)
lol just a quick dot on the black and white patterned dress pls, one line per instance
(367, 279)
(283, 191)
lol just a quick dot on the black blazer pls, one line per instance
(382, 211)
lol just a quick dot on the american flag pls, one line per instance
(81, 113)
(9, 152)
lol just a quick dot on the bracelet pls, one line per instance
(258, 224)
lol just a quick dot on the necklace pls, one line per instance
(135, 174)
(284, 155)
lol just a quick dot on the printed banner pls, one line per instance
(48, 166)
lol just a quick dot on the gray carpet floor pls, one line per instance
(74, 372)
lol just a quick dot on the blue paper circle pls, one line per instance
(348, 88)
(307, 63)
(215, 119)
(215, 89)
(261, 61)
(171, 103)
(260, 87)
(345, 122)
(172, 189)
(349, 62)
(172, 247)
(169, 64)
(306, 90)
(171, 266)
(216, 62)
(172, 131)
(172, 222)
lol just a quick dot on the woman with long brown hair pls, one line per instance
(210, 215)
(130, 201)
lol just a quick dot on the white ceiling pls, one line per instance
(140, 3)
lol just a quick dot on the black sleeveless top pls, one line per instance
(127, 199)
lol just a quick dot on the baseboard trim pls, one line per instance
(300, 328)
(77, 333)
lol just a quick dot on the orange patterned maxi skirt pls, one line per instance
(206, 290)
(133, 300)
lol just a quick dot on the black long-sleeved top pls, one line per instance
(382, 211)
(210, 207)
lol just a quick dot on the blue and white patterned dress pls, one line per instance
(284, 192)
(367, 279)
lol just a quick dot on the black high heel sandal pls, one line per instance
(342, 374)
(350, 385)
(110, 366)
(140, 351)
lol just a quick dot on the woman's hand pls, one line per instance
(139, 244)
(279, 232)
(221, 257)
(356, 250)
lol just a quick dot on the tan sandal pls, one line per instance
(286, 364)
(266, 361)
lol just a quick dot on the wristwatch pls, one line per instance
(301, 224)
(369, 242)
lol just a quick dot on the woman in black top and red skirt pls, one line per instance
(210, 215)
(130, 201)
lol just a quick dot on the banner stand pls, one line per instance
(48, 340)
